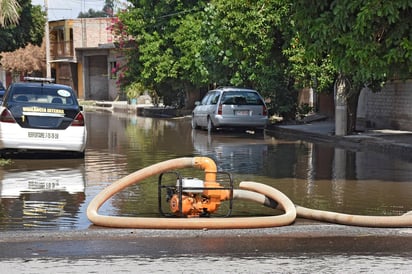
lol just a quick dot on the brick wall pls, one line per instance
(91, 32)
(390, 108)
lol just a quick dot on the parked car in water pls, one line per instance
(41, 116)
(230, 107)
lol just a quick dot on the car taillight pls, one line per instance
(6, 117)
(264, 111)
(79, 120)
(219, 110)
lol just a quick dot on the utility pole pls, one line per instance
(47, 37)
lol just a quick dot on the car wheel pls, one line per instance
(210, 125)
(194, 124)
(259, 131)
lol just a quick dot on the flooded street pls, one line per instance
(54, 193)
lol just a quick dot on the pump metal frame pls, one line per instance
(179, 190)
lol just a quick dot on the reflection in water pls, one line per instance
(41, 193)
(312, 175)
(233, 152)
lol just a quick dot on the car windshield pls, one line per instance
(42, 95)
(241, 98)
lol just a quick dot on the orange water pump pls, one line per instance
(192, 197)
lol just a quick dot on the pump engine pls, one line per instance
(192, 197)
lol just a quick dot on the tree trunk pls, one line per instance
(346, 102)
(341, 91)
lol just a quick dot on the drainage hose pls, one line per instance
(252, 191)
(355, 220)
(192, 223)
(341, 218)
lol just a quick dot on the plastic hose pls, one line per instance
(252, 191)
(355, 220)
(188, 223)
(341, 218)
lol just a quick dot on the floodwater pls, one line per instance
(54, 193)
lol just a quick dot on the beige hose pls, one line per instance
(356, 220)
(188, 223)
(252, 191)
(340, 218)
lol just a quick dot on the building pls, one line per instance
(82, 55)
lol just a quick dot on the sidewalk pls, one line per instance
(396, 142)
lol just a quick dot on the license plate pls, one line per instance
(43, 184)
(242, 112)
(43, 135)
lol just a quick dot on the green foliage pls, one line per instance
(273, 46)
(188, 45)
(318, 74)
(369, 41)
(5, 162)
(107, 11)
(303, 109)
(134, 90)
(30, 28)
(91, 13)
(9, 12)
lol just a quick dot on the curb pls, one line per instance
(366, 142)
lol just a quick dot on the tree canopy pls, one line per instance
(370, 41)
(28, 59)
(274, 46)
(9, 12)
(190, 45)
(28, 29)
(107, 11)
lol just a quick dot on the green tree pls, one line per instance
(9, 12)
(107, 11)
(367, 42)
(29, 29)
(159, 60)
(252, 37)
(186, 46)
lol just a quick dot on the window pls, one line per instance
(113, 69)
(214, 98)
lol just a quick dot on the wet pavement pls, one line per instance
(302, 237)
(395, 142)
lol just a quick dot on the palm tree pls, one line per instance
(9, 12)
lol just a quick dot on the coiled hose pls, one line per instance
(252, 191)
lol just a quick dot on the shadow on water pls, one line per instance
(54, 193)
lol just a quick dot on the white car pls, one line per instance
(39, 116)
(230, 107)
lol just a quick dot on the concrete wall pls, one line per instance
(91, 32)
(390, 108)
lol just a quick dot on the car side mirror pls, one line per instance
(197, 103)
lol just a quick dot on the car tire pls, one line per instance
(259, 131)
(210, 125)
(194, 124)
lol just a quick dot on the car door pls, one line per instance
(206, 107)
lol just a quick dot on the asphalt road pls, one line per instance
(303, 236)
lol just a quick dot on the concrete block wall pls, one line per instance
(91, 32)
(391, 108)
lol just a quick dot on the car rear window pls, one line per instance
(42, 95)
(241, 98)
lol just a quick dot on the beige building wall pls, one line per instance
(91, 32)
(390, 108)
